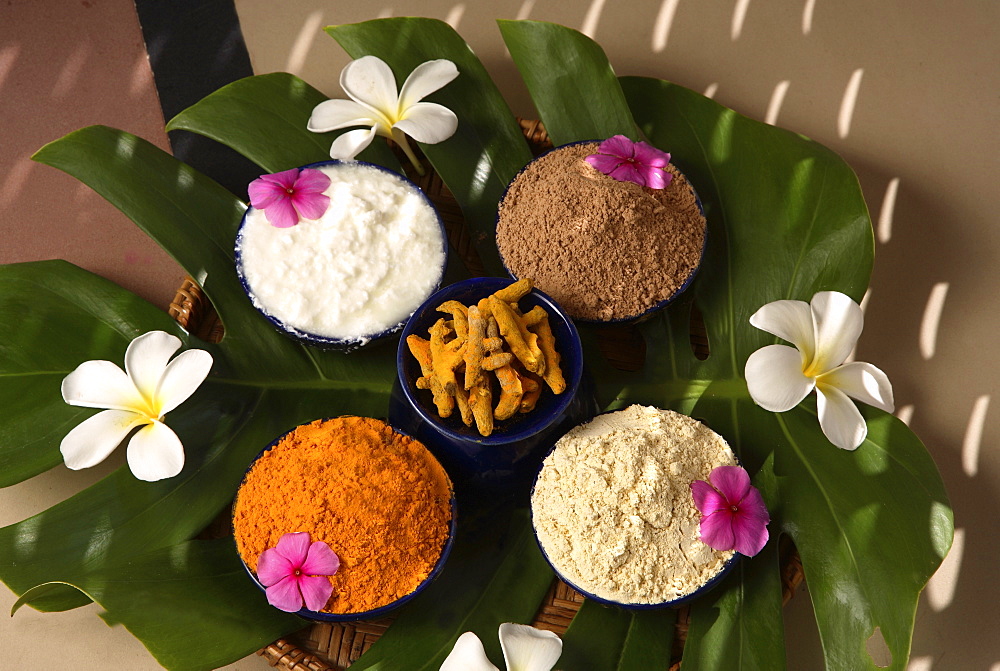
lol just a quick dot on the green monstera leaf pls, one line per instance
(262, 385)
(786, 219)
(240, 114)
(183, 592)
(487, 150)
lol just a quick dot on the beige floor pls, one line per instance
(906, 91)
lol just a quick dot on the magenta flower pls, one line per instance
(734, 516)
(629, 161)
(295, 570)
(291, 195)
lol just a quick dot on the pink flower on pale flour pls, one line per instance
(629, 161)
(734, 516)
(295, 570)
(289, 196)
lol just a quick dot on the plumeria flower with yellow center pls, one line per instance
(524, 649)
(371, 87)
(824, 332)
(139, 396)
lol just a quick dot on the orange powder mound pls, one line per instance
(376, 497)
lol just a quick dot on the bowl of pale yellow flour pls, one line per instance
(613, 512)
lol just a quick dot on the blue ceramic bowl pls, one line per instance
(375, 612)
(656, 307)
(322, 341)
(672, 603)
(515, 447)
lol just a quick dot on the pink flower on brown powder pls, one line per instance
(627, 161)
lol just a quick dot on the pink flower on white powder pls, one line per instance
(290, 196)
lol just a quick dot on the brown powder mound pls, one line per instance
(603, 249)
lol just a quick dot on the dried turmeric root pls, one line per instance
(497, 360)
(517, 336)
(481, 404)
(533, 316)
(512, 293)
(446, 356)
(552, 375)
(421, 351)
(532, 386)
(462, 401)
(459, 316)
(474, 350)
(510, 393)
(493, 335)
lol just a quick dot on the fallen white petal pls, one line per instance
(336, 114)
(429, 123)
(839, 418)
(468, 655)
(528, 649)
(182, 377)
(352, 143)
(863, 382)
(370, 81)
(155, 453)
(789, 320)
(91, 441)
(774, 378)
(146, 358)
(838, 321)
(102, 384)
(425, 79)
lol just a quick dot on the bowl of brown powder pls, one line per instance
(377, 500)
(613, 512)
(608, 251)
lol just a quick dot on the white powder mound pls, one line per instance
(363, 267)
(613, 509)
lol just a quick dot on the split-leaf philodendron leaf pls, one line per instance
(786, 219)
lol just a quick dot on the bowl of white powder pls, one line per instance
(354, 274)
(613, 512)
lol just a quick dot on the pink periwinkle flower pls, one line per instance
(296, 570)
(629, 161)
(734, 516)
(291, 195)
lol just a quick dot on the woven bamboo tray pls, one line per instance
(335, 646)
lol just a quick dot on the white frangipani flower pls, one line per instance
(152, 386)
(371, 87)
(524, 649)
(824, 332)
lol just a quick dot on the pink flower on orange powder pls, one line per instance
(291, 195)
(734, 516)
(628, 161)
(295, 571)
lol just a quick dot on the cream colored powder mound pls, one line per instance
(613, 509)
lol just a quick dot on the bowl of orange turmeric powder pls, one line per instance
(489, 374)
(344, 519)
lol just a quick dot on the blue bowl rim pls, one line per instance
(656, 306)
(374, 613)
(673, 603)
(497, 437)
(314, 339)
